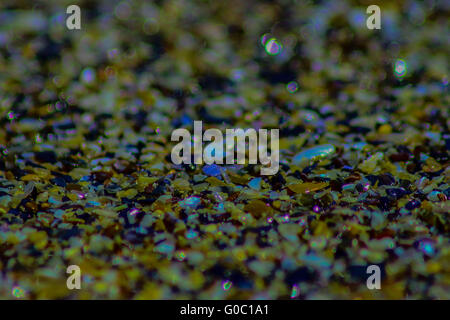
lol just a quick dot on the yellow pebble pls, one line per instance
(385, 129)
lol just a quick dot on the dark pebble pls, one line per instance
(447, 193)
(240, 280)
(412, 204)
(372, 179)
(396, 193)
(45, 156)
(386, 179)
(399, 157)
(302, 274)
(67, 234)
(101, 176)
(384, 203)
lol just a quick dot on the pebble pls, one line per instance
(314, 153)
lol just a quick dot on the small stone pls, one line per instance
(412, 204)
(257, 208)
(369, 165)
(191, 203)
(307, 187)
(181, 184)
(255, 183)
(396, 193)
(385, 129)
(314, 153)
(434, 196)
(212, 170)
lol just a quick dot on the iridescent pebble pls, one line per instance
(295, 292)
(191, 202)
(212, 170)
(433, 136)
(220, 208)
(434, 196)
(165, 247)
(292, 86)
(273, 47)
(226, 285)
(88, 75)
(359, 145)
(400, 68)
(322, 151)
(426, 246)
(309, 116)
(18, 292)
(180, 255)
(191, 234)
(255, 183)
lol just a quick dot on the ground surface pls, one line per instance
(85, 170)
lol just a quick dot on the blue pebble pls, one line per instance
(212, 170)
